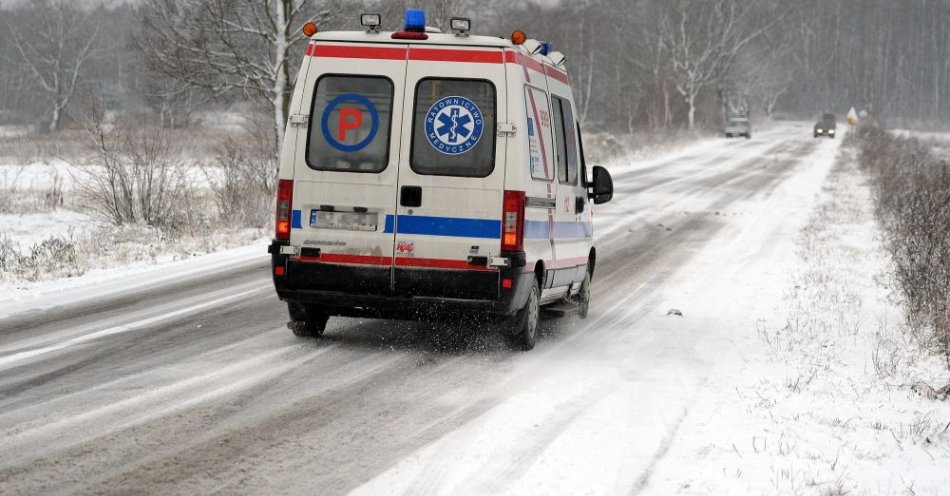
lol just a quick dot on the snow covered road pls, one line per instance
(184, 379)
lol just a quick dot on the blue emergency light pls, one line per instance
(415, 21)
(546, 47)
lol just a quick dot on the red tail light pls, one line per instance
(512, 222)
(285, 197)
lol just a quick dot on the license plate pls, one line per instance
(343, 221)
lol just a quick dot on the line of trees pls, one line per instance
(690, 62)
(635, 64)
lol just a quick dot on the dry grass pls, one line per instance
(912, 197)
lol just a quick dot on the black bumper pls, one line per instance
(420, 293)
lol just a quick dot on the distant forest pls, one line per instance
(635, 64)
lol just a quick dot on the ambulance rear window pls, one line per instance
(454, 128)
(350, 123)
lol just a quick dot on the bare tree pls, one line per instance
(704, 37)
(54, 41)
(228, 46)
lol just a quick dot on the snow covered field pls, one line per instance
(787, 372)
(46, 234)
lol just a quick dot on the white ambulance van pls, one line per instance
(424, 174)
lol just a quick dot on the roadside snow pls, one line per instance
(106, 282)
(823, 401)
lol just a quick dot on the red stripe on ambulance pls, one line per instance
(359, 52)
(431, 263)
(400, 53)
(444, 55)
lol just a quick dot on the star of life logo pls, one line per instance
(454, 125)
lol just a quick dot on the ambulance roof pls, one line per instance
(434, 39)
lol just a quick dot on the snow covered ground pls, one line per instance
(787, 372)
(827, 398)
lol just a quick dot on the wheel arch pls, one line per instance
(539, 272)
(592, 261)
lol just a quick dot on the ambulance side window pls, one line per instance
(540, 148)
(567, 161)
(350, 124)
(454, 128)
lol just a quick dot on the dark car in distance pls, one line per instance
(738, 126)
(826, 126)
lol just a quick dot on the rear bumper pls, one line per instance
(421, 293)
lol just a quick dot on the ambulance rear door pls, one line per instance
(345, 178)
(451, 173)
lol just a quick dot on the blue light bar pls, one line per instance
(415, 20)
(546, 47)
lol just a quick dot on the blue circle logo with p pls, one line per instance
(454, 125)
(352, 110)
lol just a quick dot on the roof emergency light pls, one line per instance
(415, 21)
(309, 29)
(461, 25)
(557, 58)
(371, 22)
(532, 46)
(546, 47)
(518, 37)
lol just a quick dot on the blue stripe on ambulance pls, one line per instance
(446, 226)
(295, 220)
(534, 229)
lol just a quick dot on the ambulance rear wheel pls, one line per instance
(525, 323)
(306, 321)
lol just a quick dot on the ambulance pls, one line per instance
(428, 175)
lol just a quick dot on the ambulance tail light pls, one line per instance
(512, 222)
(285, 197)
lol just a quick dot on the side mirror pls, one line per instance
(601, 190)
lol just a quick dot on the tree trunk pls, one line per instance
(691, 102)
(667, 112)
(280, 93)
(54, 120)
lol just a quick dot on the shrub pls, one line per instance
(912, 195)
(55, 255)
(244, 178)
(136, 175)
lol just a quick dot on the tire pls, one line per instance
(728, 135)
(582, 299)
(523, 332)
(748, 136)
(306, 321)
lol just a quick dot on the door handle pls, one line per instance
(410, 196)
(580, 203)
